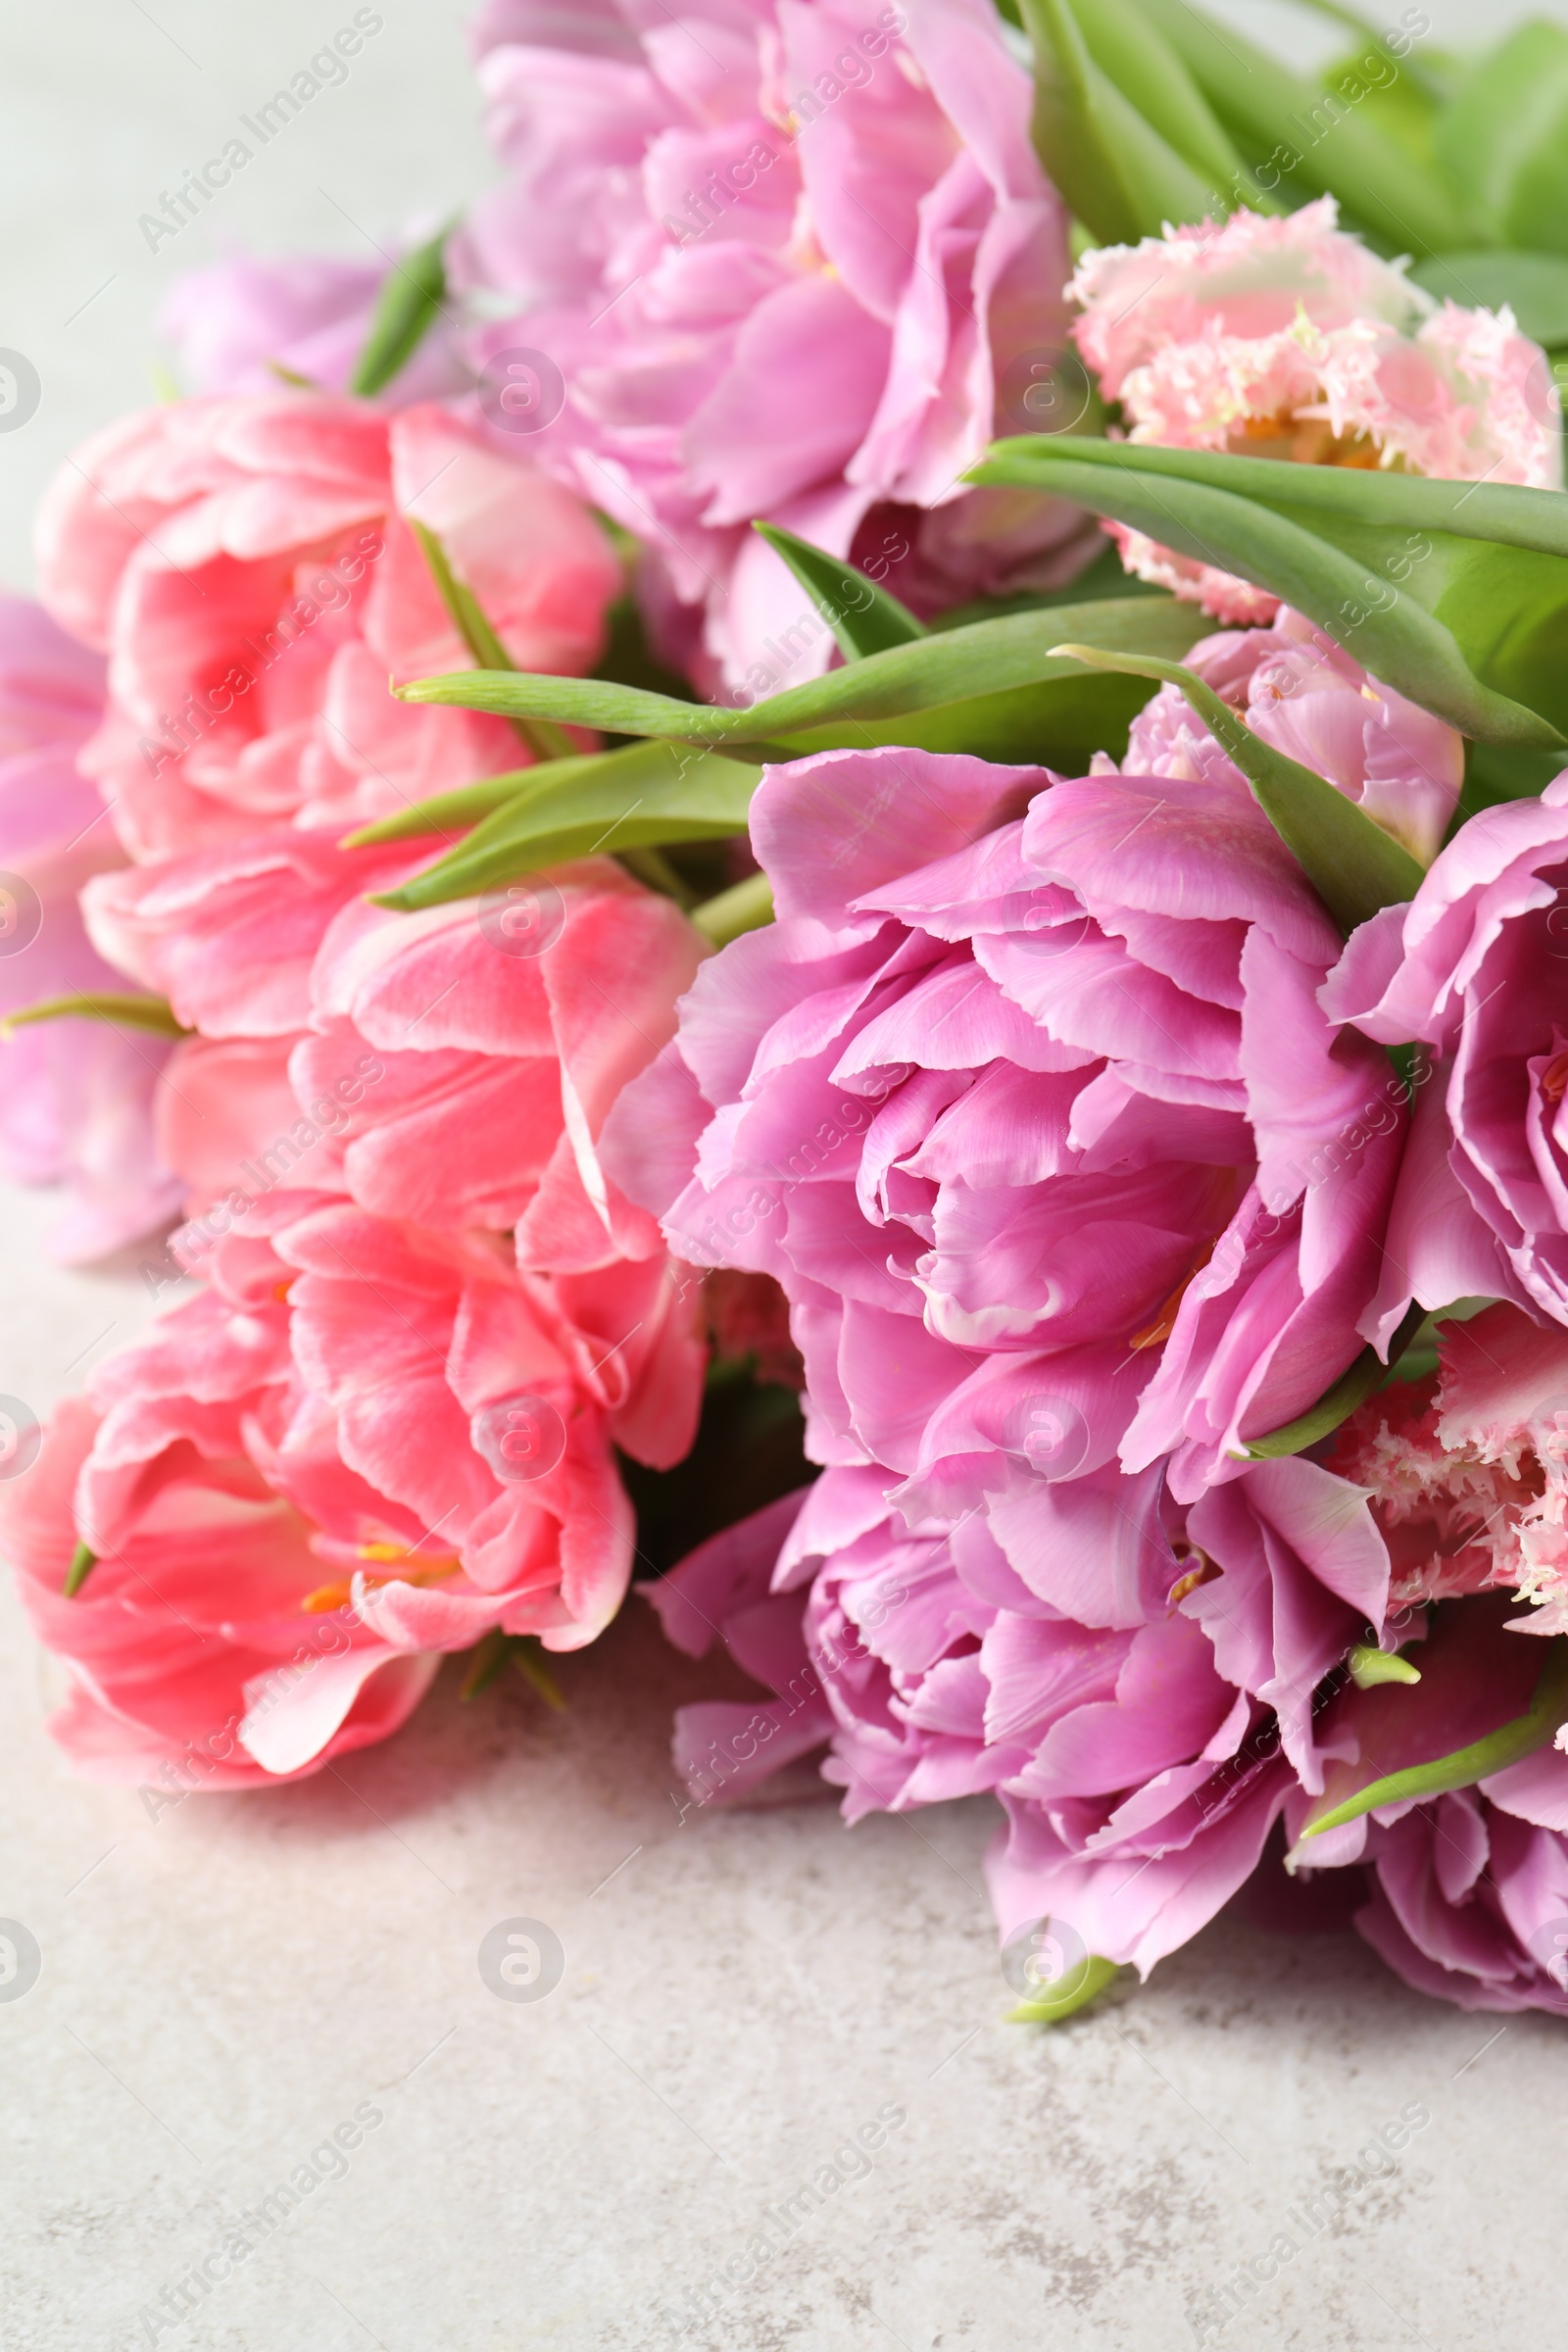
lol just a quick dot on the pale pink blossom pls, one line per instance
(1306, 698)
(1287, 338)
(77, 1095)
(249, 569)
(361, 1445)
(787, 260)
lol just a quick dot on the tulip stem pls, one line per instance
(747, 906)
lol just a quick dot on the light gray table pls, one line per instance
(226, 1982)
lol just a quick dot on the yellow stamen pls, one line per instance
(1204, 1573)
(338, 1597)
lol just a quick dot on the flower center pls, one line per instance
(424, 1572)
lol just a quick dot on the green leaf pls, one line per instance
(1455, 594)
(745, 907)
(863, 618)
(991, 689)
(1534, 285)
(83, 1560)
(1338, 1403)
(455, 811)
(406, 309)
(1354, 866)
(1151, 77)
(1119, 177)
(151, 1013)
(1389, 1720)
(643, 795)
(1078, 1988)
(1284, 126)
(474, 627)
(1503, 143)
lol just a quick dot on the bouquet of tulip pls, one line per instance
(836, 858)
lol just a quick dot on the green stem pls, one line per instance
(746, 906)
(1079, 1989)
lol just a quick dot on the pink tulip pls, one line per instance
(1473, 968)
(506, 1027)
(1143, 1707)
(248, 566)
(787, 262)
(75, 1108)
(1304, 696)
(361, 1445)
(1287, 338)
(1027, 1102)
(1469, 1890)
(248, 323)
(1470, 1900)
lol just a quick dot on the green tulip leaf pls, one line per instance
(1455, 594)
(1327, 141)
(405, 310)
(639, 797)
(863, 617)
(991, 689)
(1502, 145)
(1120, 178)
(456, 812)
(1151, 77)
